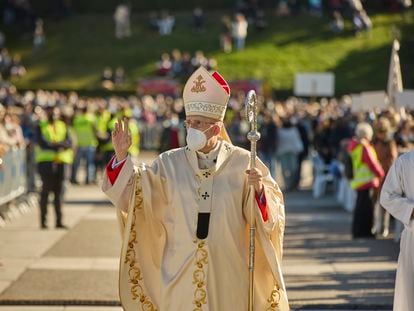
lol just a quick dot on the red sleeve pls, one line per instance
(113, 172)
(372, 163)
(262, 203)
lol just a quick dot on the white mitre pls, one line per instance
(206, 95)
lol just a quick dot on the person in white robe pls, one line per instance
(185, 218)
(397, 197)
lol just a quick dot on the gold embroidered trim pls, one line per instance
(274, 299)
(199, 277)
(198, 85)
(134, 272)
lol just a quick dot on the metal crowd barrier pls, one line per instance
(13, 180)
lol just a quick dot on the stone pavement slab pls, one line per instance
(90, 238)
(324, 267)
(64, 285)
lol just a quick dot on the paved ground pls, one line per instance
(324, 268)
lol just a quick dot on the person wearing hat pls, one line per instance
(52, 154)
(185, 218)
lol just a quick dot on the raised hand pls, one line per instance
(121, 139)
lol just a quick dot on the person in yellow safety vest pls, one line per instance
(52, 153)
(85, 131)
(102, 117)
(134, 130)
(367, 174)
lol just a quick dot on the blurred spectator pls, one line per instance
(165, 23)
(404, 136)
(122, 21)
(198, 19)
(226, 32)
(315, 7)
(267, 145)
(107, 80)
(13, 129)
(361, 21)
(356, 5)
(239, 31)
(153, 21)
(282, 8)
(119, 76)
(39, 37)
(126, 113)
(170, 136)
(304, 137)
(405, 6)
(11, 135)
(289, 147)
(211, 64)
(360, 17)
(176, 65)
(54, 152)
(17, 70)
(237, 130)
(84, 127)
(337, 24)
(164, 65)
(186, 64)
(29, 120)
(5, 62)
(199, 59)
(367, 175)
(387, 153)
(322, 140)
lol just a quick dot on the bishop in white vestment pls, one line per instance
(185, 218)
(397, 197)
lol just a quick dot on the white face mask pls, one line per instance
(196, 139)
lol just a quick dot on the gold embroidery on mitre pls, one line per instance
(134, 272)
(274, 300)
(199, 277)
(198, 85)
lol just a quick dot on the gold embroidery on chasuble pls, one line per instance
(199, 277)
(198, 85)
(274, 300)
(134, 271)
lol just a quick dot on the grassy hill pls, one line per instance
(79, 48)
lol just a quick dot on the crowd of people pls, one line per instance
(111, 79)
(290, 130)
(180, 64)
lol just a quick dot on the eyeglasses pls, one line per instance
(197, 124)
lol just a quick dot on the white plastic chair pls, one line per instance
(322, 176)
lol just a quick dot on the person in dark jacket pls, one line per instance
(268, 142)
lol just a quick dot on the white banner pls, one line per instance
(356, 103)
(374, 100)
(315, 84)
(405, 99)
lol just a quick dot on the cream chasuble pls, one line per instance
(164, 266)
(397, 197)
